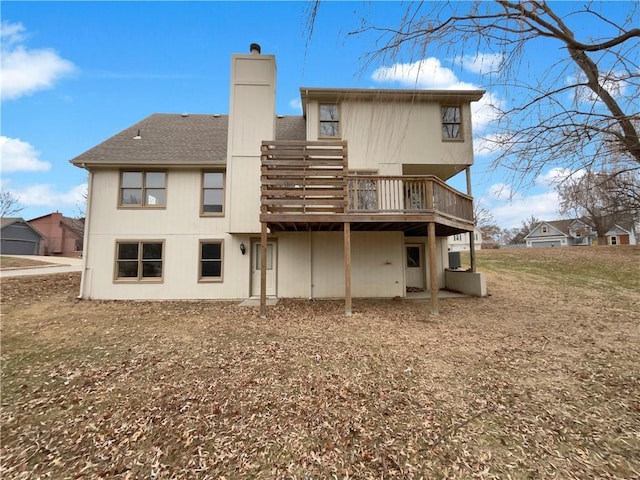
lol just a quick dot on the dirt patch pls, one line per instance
(540, 380)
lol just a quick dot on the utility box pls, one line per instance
(454, 260)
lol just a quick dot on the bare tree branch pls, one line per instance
(9, 205)
(582, 106)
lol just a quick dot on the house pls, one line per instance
(62, 235)
(622, 235)
(561, 233)
(460, 241)
(348, 199)
(17, 237)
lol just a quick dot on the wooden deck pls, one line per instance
(308, 186)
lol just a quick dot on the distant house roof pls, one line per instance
(561, 227)
(169, 139)
(75, 224)
(7, 221)
(617, 229)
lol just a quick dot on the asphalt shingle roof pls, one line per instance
(174, 139)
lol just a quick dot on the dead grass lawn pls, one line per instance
(7, 262)
(539, 380)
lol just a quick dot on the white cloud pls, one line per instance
(19, 156)
(12, 33)
(614, 82)
(487, 145)
(556, 176)
(510, 208)
(25, 71)
(500, 191)
(426, 73)
(485, 111)
(44, 195)
(295, 104)
(481, 63)
(429, 73)
(543, 206)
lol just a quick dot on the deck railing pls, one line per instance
(312, 178)
(406, 195)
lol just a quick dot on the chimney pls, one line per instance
(252, 114)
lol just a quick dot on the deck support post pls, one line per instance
(472, 235)
(347, 269)
(263, 271)
(433, 265)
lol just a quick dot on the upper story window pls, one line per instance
(451, 123)
(212, 193)
(143, 189)
(544, 229)
(329, 120)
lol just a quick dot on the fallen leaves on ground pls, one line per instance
(532, 382)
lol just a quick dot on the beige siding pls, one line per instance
(312, 266)
(181, 228)
(251, 120)
(308, 265)
(385, 133)
(243, 195)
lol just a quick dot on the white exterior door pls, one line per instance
(414, 265)
(271, 269)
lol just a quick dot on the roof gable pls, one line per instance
(7, 222)
(554, 229)
(617, 230)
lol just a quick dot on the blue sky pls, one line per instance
(76, 73)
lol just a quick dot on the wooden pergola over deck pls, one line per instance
(307, 186)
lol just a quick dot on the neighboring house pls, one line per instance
(17, 237)
(561, 233)
(337, 202)
(622, 235)
(62, 235)
(460, 241)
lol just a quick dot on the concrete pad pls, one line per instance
(255, 302)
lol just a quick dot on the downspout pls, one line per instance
(472, 234)
(310, 264)
(85, 235)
